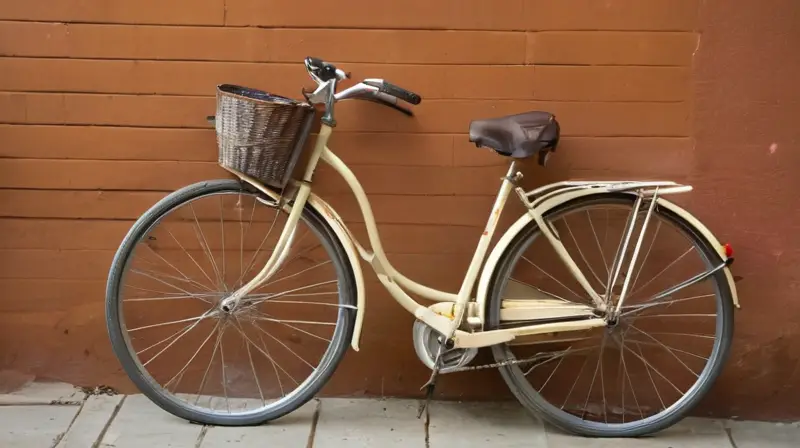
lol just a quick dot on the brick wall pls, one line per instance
(103, 106)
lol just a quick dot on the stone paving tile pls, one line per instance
(340, 423)
(369, 423)
(44, 393)
(467, 425)
(764, 435)
(290, 431)
(140, 423)
(689, 433)
(34, 426)
(92, 419)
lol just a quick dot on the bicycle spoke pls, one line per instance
(240, 281)
(580, 252)
(627, 375)
(161, 276)
(297, 273)
(647, 364)
(645, 306)
(208, 369)
(591, 386)
(269, 298)
(204, 245)
(252, 366)
(175, 340)
(274, 366)
(547, 293)
(648, 316)
(683, 334)
(551, 277)
(222, 234)
(602, 379)
(651, 344)
(646, 255)
(663, 270)
(241, 239)
(189, 319)
(560, 360)
(145, 274)
(151, 299)
(180, 372)
(299, 254)
(301, 288)
(270, 318)
(284, 345)
(182, 275)
(306, 322)
(163, 340)
(152, 290)
(301, 302)
(580, 372)
(224, 377)
(599, 247)
(620, 379)
(190, 256)
(667, 349)
(556, 355)
(266, 354)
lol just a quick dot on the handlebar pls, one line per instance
(375, 90)
(395, 91)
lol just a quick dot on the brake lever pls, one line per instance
(306, 93)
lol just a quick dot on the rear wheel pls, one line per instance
(649, 370)
(263, 359)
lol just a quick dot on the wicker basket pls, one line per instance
(260, 134)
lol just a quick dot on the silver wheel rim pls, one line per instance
(249, 335)
(629, 409)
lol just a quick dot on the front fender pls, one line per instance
(489, 268)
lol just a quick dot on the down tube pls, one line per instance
(377, 258)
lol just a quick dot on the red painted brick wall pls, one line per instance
(103, 106)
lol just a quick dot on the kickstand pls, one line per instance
(430, 385)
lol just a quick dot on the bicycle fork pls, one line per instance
(284, 245)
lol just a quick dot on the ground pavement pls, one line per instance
(61, 416)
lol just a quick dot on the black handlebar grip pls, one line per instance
(399, 92)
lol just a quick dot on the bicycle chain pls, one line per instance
(496, 365)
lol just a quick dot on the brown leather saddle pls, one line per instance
(518, 136)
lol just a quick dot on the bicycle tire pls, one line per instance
(152, 390)
(532, 400)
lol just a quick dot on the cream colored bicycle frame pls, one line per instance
(448, 315)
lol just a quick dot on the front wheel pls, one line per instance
(648, 369)
(263, 359)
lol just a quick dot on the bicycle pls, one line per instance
(491, 309)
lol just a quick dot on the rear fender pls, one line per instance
(569, 193)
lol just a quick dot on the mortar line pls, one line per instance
(201, 436)
(314, 420)
(59, 438)
(108, 423)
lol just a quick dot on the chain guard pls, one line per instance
(427, 342)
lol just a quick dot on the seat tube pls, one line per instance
(464, 294)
